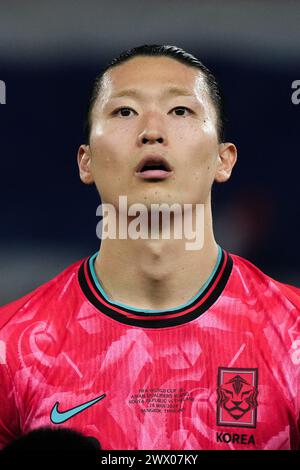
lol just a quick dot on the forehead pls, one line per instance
(153, 75)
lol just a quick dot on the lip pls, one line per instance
(153, 174)
(153, 158)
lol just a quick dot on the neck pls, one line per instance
(156, 274)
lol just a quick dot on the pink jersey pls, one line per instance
(219, 372)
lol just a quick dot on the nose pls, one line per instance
(152, 131)
(147, 138)
(151, 136)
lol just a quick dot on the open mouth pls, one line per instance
(149, 167)
(153, 169)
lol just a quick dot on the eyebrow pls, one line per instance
(171, 91)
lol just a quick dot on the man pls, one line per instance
(146, 344)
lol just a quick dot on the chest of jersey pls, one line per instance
(201, 385)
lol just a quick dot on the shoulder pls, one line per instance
(55, 291)
(256, 281)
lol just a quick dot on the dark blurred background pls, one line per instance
(50, 52)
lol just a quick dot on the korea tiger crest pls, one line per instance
(237, 397)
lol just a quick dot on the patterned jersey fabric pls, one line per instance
(220, 372)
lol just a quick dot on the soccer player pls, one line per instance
(147, 344)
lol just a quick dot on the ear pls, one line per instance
(84, 164)
(226, 160)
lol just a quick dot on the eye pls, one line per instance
(182, 108)
(127, 110)
(116, 111)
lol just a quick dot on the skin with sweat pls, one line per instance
(167, 111)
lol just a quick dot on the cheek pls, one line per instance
(199, 135)
(201, 149)
(107, 155)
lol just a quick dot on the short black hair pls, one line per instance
(50, 439)
(176, 53)
(46, 443)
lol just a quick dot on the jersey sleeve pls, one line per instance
(15, 318)
(292, 293)
(9, 416)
